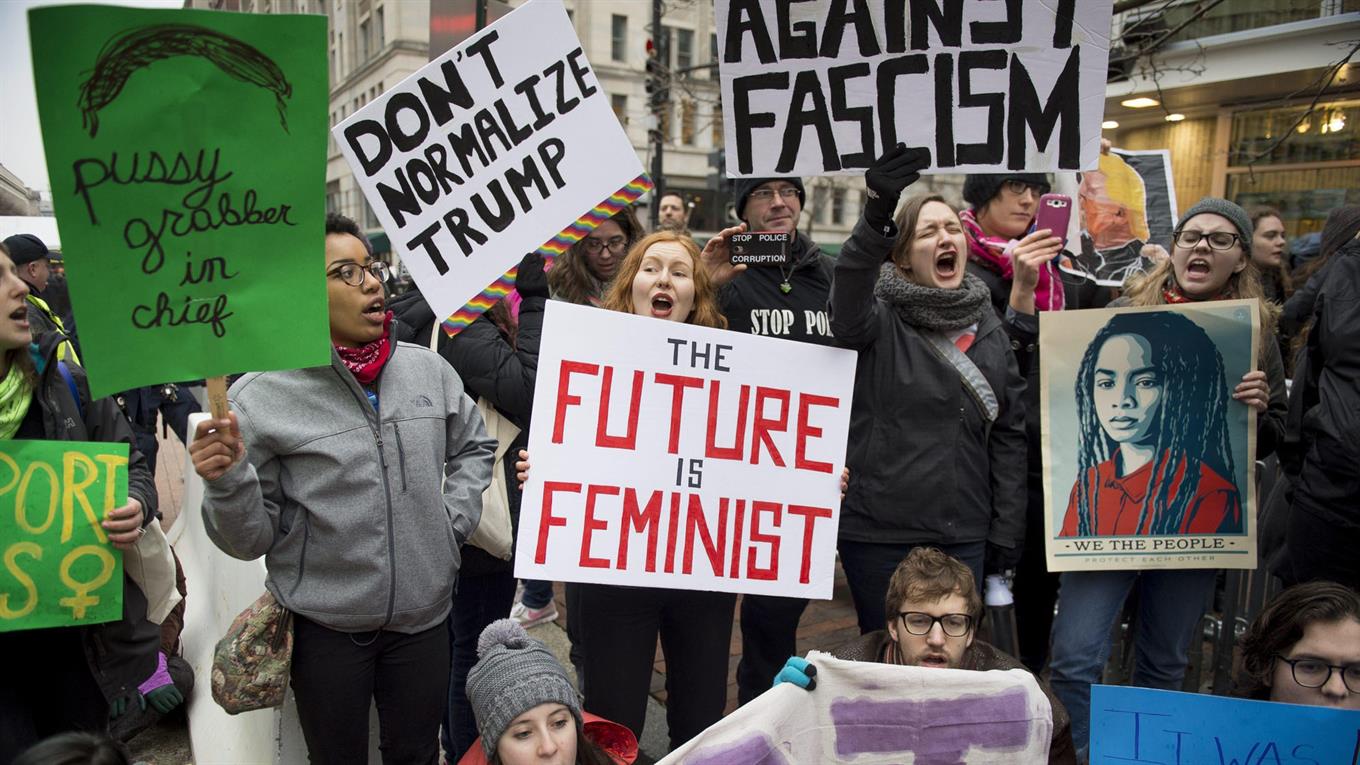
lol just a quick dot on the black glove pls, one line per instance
(893, 172)
(1001, 560)
(530, 280)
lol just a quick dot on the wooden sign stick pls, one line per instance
(217, 397)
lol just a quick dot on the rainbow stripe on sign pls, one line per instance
(556, 246)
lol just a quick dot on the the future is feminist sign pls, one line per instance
(669, 455)
(821, 87)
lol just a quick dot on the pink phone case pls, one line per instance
(1055, 210)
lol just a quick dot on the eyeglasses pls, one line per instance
(919, 623)
(1018, 188)
(1218, 240)
(353, 274)
(616, 244)
(1314, 673)
(765, 195)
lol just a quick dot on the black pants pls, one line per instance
(480, 600)
(1036, 590)
(620, 626)
(769, 636)
(336, 674)
(46, 688)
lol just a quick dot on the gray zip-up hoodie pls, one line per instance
(345, 502)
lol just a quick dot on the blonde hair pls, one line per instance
(705, 313)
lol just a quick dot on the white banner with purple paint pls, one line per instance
(868, 713)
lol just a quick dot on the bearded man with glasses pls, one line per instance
(933, 611)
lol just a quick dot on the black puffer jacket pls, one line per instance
(492, 369)
(925, 465)
(121, 654)
(1324, 433)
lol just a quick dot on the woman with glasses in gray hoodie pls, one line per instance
(358, 482)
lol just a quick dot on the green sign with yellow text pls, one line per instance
(57, 567)
(186, 152)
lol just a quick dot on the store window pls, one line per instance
(1313, 170)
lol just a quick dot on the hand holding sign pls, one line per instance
(124, 525)
(717, 256)
(216, 447)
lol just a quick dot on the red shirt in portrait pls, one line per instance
(1216, 508)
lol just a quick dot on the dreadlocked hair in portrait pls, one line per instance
(706, 311)
(571, 279)
(1192, 421)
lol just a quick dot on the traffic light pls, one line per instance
(717, 175)
(658, 80)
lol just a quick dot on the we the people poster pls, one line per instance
(1148, 460)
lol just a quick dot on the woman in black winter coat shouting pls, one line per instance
(937, 426)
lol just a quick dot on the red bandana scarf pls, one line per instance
(1171, 293)
(366, 361)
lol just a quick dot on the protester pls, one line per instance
(1323, 458)
(527, 712)
(30, 257)
(787, 300)
(1209, 261)
(1019, 268)
(755, 301)
(937, 442)
(662, 277)
(582, 274)
(1343, 225)
(1267, 254)
(1304, 648)
(76, 749)
(673, 213)
(358, 482)
(71, 678)
(933, 612)
(496, 357)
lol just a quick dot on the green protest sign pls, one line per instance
(186, 152)
(57, 567)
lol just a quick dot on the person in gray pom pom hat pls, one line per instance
(528, 712)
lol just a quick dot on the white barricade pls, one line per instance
(220, 587)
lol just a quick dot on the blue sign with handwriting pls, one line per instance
(1139, 725)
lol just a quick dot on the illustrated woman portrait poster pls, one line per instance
(1149, 462)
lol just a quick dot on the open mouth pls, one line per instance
(376, 311)
(938, 661)
(20, 315)
(947, 264)
(1198, 268)
(662, 305)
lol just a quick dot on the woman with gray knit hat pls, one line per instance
(528, 712)
(1210, 260)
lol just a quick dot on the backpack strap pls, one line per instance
(71, 383)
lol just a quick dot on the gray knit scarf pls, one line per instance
(931, 307)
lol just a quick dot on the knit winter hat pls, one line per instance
(744, 187)
(25, 248)
(1342, 225)
(514, 673)
(1227, 209)
(978, 189)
